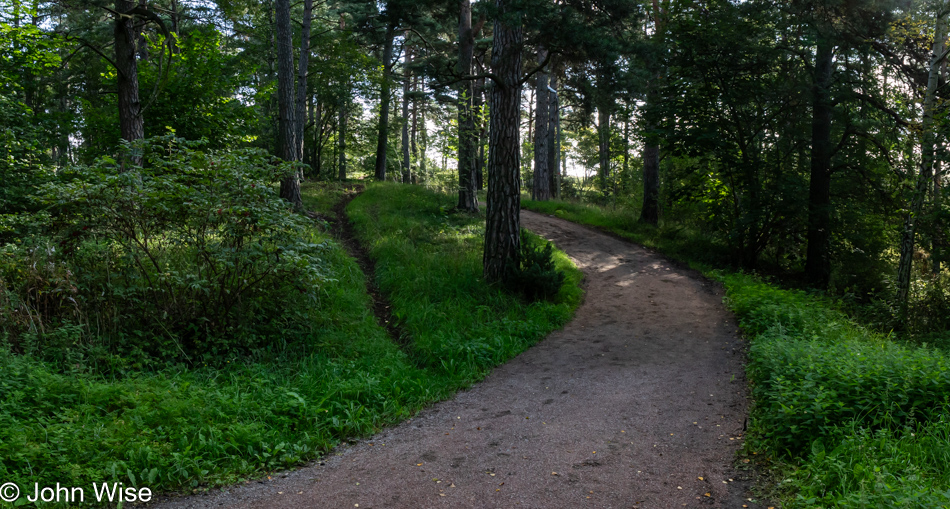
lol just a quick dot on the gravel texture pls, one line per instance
(640, 401)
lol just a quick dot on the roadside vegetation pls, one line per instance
(844, 416)
(176, 326)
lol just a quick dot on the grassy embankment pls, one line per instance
(843, 416)
(190, 427)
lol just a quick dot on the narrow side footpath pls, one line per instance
(639, 402)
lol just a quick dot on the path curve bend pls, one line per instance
(638, 402)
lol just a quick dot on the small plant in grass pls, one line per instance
(535, 275)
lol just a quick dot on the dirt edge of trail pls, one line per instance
(640, 401)
(342, 230)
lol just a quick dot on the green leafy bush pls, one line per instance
(862, 418)
(813, 370)
(192, 256)
(535, 275)
(906, 469)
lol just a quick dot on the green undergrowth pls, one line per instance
(428, 263)
(843, 416)
(182, 428)
(678, 241)
(188, 427)
(852, 417)
(322, 197)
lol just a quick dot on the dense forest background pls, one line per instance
(176, 176)
(803, 139)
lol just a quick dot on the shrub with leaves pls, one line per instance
(536, 276)
(192, 254)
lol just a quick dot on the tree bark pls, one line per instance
(466, 114)
(406, 168)
(603, 138)
(925, 175)
(286, 132)
(413, 145)
(131, 123)
(554, 141)
(302, 71)
(650, 213)
(818, 255)
(482, 132)
(541, 188)
(383, 141)
(341, 139)
(503, 222)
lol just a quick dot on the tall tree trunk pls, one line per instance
(131, 123)
(310, 106)
(383, 140)
(286, 132)
(554, 141)
(341, 139)
(319, 125)
(925, 175)
(413, 145)
(482, 132)
(423, 138)
(175, 15)
(603, 137)
(939, 240)
(650, 213)
(541, 188)
(503, 222)
(302, 68)
(626, 146)
(344, 104)
(818, 256)
(406, 168)
(467, 135)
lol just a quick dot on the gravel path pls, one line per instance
(638, 402)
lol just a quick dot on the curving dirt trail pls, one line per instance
(638, 402)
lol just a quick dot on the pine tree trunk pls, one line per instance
(650, 213)
(477, 106)
(503, 222)
(925, 175)
(541, 188)
(553, 142)
(383, 139)
(131, 123)
(406, 169)
(341, 139)
(302, 68)
(466, 114)
(818, 255)
(603, 138)
(286, 132)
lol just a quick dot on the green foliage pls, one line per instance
(197, 91)
(193, 256)
(865, 416)
(429, 263)
(906, 469)
(536, 275)
(190, 427)
(674, 237)
(183, 428)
